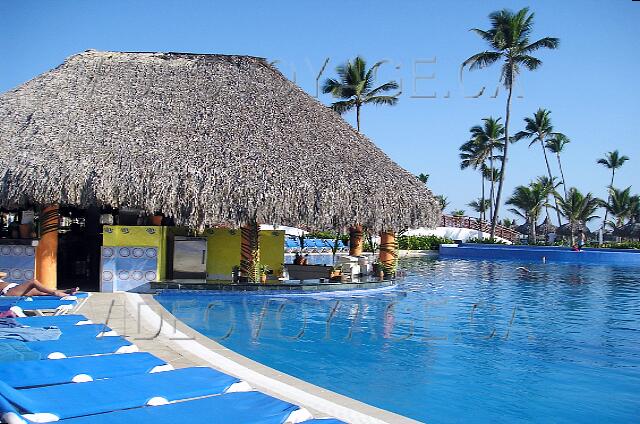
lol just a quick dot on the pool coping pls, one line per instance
(172, 333)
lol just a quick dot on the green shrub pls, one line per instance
(421, 242)
(621, 245)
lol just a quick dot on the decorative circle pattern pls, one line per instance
(108, 252)
(16, 274)
(107, 275)
(5, 250)
(150, 276)
(29, 251)
(151, 253)
(137, 275)
(124, 252)
(123, 275)
(137, 252)
(28, 274)
(17, 250)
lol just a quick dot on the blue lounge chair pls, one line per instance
(58, 320)
(75, 370)
(50, 403)
(66, 348)
(38, 306)
(237, 408)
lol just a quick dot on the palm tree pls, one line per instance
(540, 130)
(508, 39)
(355, 86)
(485, 139)
(480, 206)
(490, 137)
(613, 161)
(423, 178)
(621, 205)
(457, 212)
(578, 208)
(556, 144)
(528, 202)
(443, 200)
(473, 155)
(551, 185)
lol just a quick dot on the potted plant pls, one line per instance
(378, 269)
(264, 270)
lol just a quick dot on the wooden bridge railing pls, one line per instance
(478, 225)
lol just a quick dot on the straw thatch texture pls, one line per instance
(578, 227)
(546, 227)
(206, 139)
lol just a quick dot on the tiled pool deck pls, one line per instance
(152, 328)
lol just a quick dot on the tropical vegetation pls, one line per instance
(509, 42)
(355, 86)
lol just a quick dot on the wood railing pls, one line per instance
(478, 225)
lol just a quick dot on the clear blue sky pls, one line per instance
(590, 83)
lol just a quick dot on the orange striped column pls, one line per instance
(47, 249)
(249, 252)
(388, 253)
(355, 240)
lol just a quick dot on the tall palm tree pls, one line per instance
(480, 206)
(551, 185)
(443, 200)
(612, 161)
(508, 39)
(621, 206)
(473, 155)
(484, 141)
(577, 208)
(556, 144)
(539, 129)
(528, 202)
(355, 86)
(424, 178)
(490, 136)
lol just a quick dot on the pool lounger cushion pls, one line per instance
(50, 403)
(236, 408)
(64, 348)
(58, 320)
(85, 368)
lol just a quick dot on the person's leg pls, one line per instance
(35, 288)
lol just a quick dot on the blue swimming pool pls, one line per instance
(455, 341)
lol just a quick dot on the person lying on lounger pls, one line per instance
(30, 288)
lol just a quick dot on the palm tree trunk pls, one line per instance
(546, 161)
(564, 184)
(482, 197)
(491, 193)
(503, 167)
(358, 116)
(606, 211)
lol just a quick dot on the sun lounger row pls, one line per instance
(132, 387)
(313, 245)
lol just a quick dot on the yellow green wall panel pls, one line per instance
(272, 250)
(223, 252)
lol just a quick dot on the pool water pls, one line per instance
(455, 341)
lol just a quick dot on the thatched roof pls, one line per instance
(206, 139)
(631, 230)
(524, 228)
(578, 227)
(546, 227)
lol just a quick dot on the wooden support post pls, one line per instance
(388, 253)
(47, 249)
(249, 252)
(355, 240)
